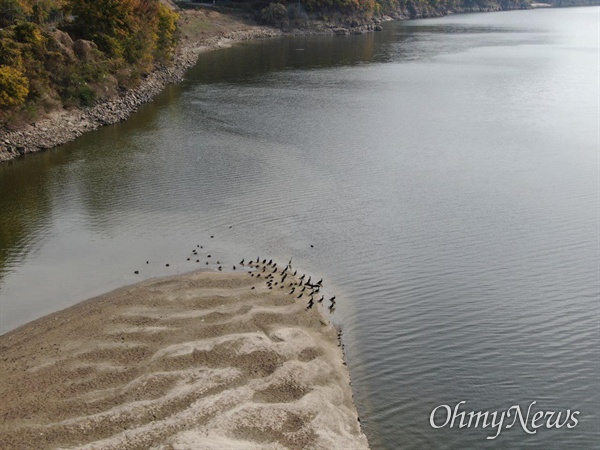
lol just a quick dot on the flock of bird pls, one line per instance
(274, 276)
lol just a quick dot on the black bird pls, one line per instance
(312, 246)
(270, 261)
(208, 256)
(147, 262)
(212, 237)
(303, 288)
(321, 299)
(264, 268)
(197, 260)
(295, 272)
(220, 268)
(252, 287)
(218, 262)
(264, 261)
(257, 259)
(233, 267)
(332, 299)
(242, 262)
(166, 265)
(310, 305)
(136, 272)
(188, 259)
(207, 263)
(283, 278)
(331, 307)
(299, 295)
(308, 282)
(302, 277)
(197, 245)
(320, 281)
(275, 271)
(251, 274)
(258, 275)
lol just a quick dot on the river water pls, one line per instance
(442, 176)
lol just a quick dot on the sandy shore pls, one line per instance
(197, 361)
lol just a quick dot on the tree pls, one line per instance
(14, 87)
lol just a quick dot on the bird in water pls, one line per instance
(242, 262)
(166, 265)
(332, 299)
(136, 272)
(220, 268)
(233, 267)
(302, 277)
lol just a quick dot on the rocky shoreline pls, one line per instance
(66, 125)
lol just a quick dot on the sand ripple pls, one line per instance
(199, 361)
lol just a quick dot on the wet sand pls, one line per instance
(195, 361)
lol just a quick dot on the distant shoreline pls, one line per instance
(205, 360)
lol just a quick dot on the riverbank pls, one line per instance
(202, 30)
(203, 360)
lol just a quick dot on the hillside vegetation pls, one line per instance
(57, 53)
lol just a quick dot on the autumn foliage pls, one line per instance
(99, 47)
(14, 87)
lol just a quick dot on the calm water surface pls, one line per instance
(446, 172)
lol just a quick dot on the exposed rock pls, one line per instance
(84, 49)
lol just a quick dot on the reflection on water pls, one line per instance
(444, 170)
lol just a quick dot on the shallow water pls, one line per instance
(445, 170)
